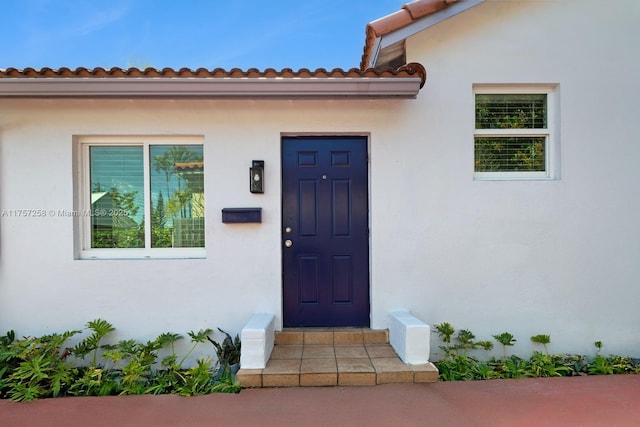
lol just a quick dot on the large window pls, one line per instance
(142, 197)
(513, 136)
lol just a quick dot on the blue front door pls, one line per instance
(325, 238)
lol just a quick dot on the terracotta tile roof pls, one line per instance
(409, 70)
(404, 82)
(409, 13)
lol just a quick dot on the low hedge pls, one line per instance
(40, 367)
(459, 365)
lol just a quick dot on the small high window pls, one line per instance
(513, 133)
(141, 197)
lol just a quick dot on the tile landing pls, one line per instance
(334, 357)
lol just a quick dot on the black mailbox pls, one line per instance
(241, 215)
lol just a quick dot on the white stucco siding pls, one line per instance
(44, 288)
(557, 257)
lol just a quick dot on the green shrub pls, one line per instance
(42, 370)
(8, 360)
(32, 368)
(228, 352)
(458, 365)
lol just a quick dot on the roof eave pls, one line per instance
(213, 88)
(377, 42)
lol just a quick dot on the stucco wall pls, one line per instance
(43, 288)
(557, 257)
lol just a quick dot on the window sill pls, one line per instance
(143, 254)
(512, 176)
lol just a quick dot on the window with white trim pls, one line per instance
(141, 197)
(513, 135)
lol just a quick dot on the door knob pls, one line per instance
(288, 243)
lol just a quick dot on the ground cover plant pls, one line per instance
(459, 364)
(46, 366)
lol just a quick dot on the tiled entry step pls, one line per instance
(334, 357)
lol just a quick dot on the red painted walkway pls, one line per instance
(583, 401)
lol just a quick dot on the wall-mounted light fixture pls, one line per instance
(256, 176)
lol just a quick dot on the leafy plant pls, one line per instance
(465, 337)
(512, 367)
(166, 380)
(598, 345)
(169, 339)
(229, 351)
(600, 366)
(542, 339)
(91, 343)
(197, 380)
(543, 365)
(94, 381)
(485, 345)
(458, 365)
(8, 359)
(506, 339)
(613, 364)
(42, 367)
(458, 368)
(446, 331)
(135, 361)
(622, 364)
(196, 338)
(484, 371)
(226, 382)
(575, 362)
(174, 379)
(467, 342)
(32, 368)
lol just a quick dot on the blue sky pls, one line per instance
(189, 33)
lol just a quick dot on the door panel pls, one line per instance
(325, 231)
